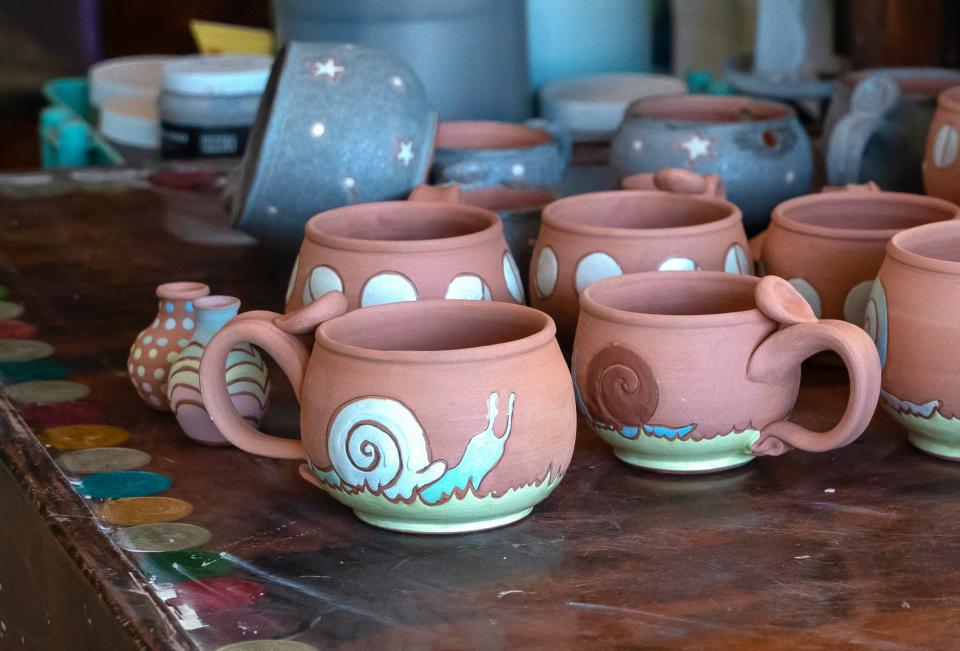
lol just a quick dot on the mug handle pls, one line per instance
(779, 356)
(276, 336)
(872, 99)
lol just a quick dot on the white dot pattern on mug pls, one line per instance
(677, 264)
(468, 287)
(593, 267)
(945, 145)
(546, 276)
(737, 261)
(387, 287)
(322, 279)
(293, 279)
(855, 304)
(809, 294)
(511, 274)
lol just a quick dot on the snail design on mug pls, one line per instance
(621, 395)
(377, 445)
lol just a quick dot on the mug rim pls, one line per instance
(635, 110)
(314, 233)
(544, 335)
(780, 215)
(903, 75)
(949, 98)
(898, 247)
(732, 218)
(594, 307)
(502, 128)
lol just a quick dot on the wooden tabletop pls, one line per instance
(853, 548)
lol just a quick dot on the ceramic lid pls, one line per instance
(593, 106)
(217, 75)
(139, 75)
(132, 121)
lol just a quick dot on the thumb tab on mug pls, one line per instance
(681, 181)
(307, 318)
(780, 301)
(446, 193)
(875, 94)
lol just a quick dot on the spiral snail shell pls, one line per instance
(620, 388)
(378, 443)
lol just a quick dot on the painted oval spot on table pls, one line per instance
(162, 537)
(172, 567)
(21, 350)
(91, 460)
(15, 329)
(218, 594)
(131, 511)
(38, 392)
(10, 310)
(41, 417)
(80, 437)
(34, 369)
(123, 483)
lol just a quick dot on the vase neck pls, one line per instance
(211, 320)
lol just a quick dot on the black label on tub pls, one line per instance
(180, 141)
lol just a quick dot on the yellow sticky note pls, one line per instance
(220, 38)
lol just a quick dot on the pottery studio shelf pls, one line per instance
(855, 547)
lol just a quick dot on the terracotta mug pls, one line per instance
(911, 317)
(589, 237)
(690, 373)
(941, 165)
(430, 417)
(404, 251)
(830, 245)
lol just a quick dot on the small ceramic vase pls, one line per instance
(488, 154)
(338, 124)
(248, 381)
(941, 166)
(758, 148)
(589, 237)
(404, 251)
(910, 315)
(429, 417)
(876, 124)
(830, 245)
(155, 348)
(696, 372)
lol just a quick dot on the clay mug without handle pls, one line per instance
(430, 417)
(830, 245)
(911, 316)
(941, 165)
(876, 124)
(484, 154)
(589, 237)
(690, 373)
(404, 251)
(759, 148)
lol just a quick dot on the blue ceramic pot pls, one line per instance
(482, 154)
(758, 148)
(338, 124)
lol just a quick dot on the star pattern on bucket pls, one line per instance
(328, 68)
(697, 146)
(404, 152)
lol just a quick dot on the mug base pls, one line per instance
(439, 528)
(933, 447)
(683, 466)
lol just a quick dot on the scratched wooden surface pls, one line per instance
(854, 548)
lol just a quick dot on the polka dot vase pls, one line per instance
(155, 349)
(247, 378)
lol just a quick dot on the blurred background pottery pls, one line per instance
(830, 245)
(404, 251)
(482, 154)
(758, 148)
(876, 125)
(941, 169)
(911, 316)
(470, 54)
(444, 416)
(591, 107)
(338, 124)
(155, 348)
(589, 237)
(697, 372)
(248, 381)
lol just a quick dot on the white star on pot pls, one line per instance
(405, 152)
(328, 68)
(697, 147)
